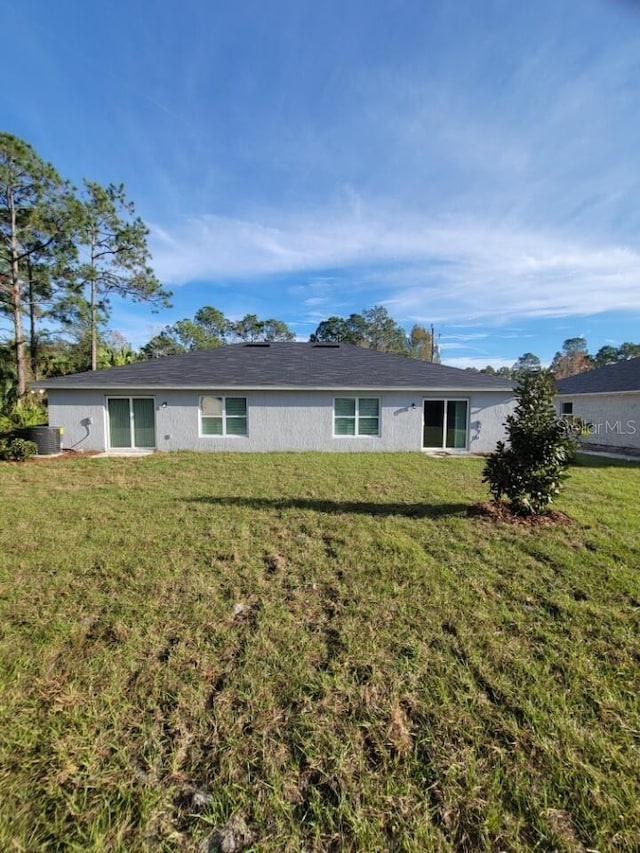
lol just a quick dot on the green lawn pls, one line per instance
(396, 675)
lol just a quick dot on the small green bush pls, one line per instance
(18, 449)
(530, 471)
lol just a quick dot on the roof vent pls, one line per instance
(257, 344)
(326, 345)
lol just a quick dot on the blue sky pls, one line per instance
(475, 164)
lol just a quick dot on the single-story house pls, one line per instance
(607, 402)
(280, 396)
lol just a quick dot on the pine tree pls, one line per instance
(36, 210)
(116, 260)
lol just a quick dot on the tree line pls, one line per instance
(572, 358)
(374, 328)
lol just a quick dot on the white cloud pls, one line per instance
(459, 340)
(477, 362)
(431, 270)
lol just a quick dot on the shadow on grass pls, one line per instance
(592, 460)
(412, 510)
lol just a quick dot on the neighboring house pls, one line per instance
(607, 401)
(280, 396)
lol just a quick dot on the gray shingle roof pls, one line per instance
(622, 376)
(282, 365)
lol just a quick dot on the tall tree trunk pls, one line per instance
(16, 304)
(94, 328)
(34, 343)
(93, 311)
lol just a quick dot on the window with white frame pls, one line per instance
(566, 409)
(223, 415)
(356, 416)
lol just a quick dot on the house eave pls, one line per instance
(597, 393)
(246, 387)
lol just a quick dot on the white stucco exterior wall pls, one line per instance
(277, 420)
(613, 419)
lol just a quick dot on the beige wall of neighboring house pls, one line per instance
(611, 420)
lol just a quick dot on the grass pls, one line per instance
(324, 648)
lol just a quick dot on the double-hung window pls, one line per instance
(356, 416)
(223, 415)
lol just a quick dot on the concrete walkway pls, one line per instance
(112, 454)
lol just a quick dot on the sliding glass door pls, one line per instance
(445, 424)
(131, 423)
